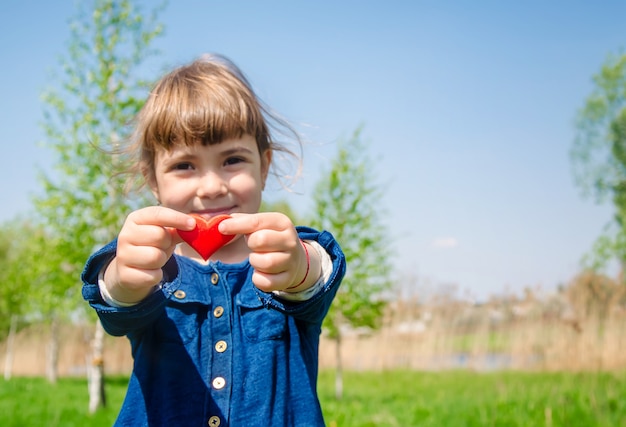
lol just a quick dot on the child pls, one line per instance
(231, 341)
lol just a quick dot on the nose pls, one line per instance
(211, 185)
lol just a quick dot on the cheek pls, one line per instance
(175, 194)
(247, 187)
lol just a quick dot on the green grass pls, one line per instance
(461, 398)
(395, 398)
(34, 402)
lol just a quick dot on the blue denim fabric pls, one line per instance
(210, 349)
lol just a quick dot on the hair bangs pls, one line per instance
(194, 106)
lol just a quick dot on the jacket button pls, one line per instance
(221, 346)
(219, 310)
(215, 278)
(218, 383)
(180, 294)
(214, 421)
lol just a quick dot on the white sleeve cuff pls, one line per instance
(106, 296)
(104, 292)
(327, 270)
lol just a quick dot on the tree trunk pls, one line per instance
(10, 352)
(339, 370)
(95, 371)
(52, 355)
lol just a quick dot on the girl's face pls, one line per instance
(223, 178)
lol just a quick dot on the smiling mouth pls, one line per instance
(208, 213)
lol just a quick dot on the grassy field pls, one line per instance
(394, 398)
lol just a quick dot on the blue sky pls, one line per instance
(468, 108)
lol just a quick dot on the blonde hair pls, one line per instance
(207, 101)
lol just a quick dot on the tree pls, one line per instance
(17, 240)
(347, 203)
(599, 156)
(85, 122)
(11, 302)
(24, 276)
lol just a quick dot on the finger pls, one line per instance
(174, 236)
(164, 217)
(270, 282)
(270, 263)
(138, 278)
(273, 241)
(144, 257)
(147, 235)
(249, 223)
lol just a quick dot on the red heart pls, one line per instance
(205, 238)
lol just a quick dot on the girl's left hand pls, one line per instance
(278, 258)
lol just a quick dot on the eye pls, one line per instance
(233, 160)
(183, 166)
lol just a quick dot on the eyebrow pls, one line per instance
(236, 150)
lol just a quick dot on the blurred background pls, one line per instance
(468, 108)
(492, 133)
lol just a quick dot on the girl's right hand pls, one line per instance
(145, 243)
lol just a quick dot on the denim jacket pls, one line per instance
(211, 349)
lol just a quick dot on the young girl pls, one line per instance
(231, 341)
